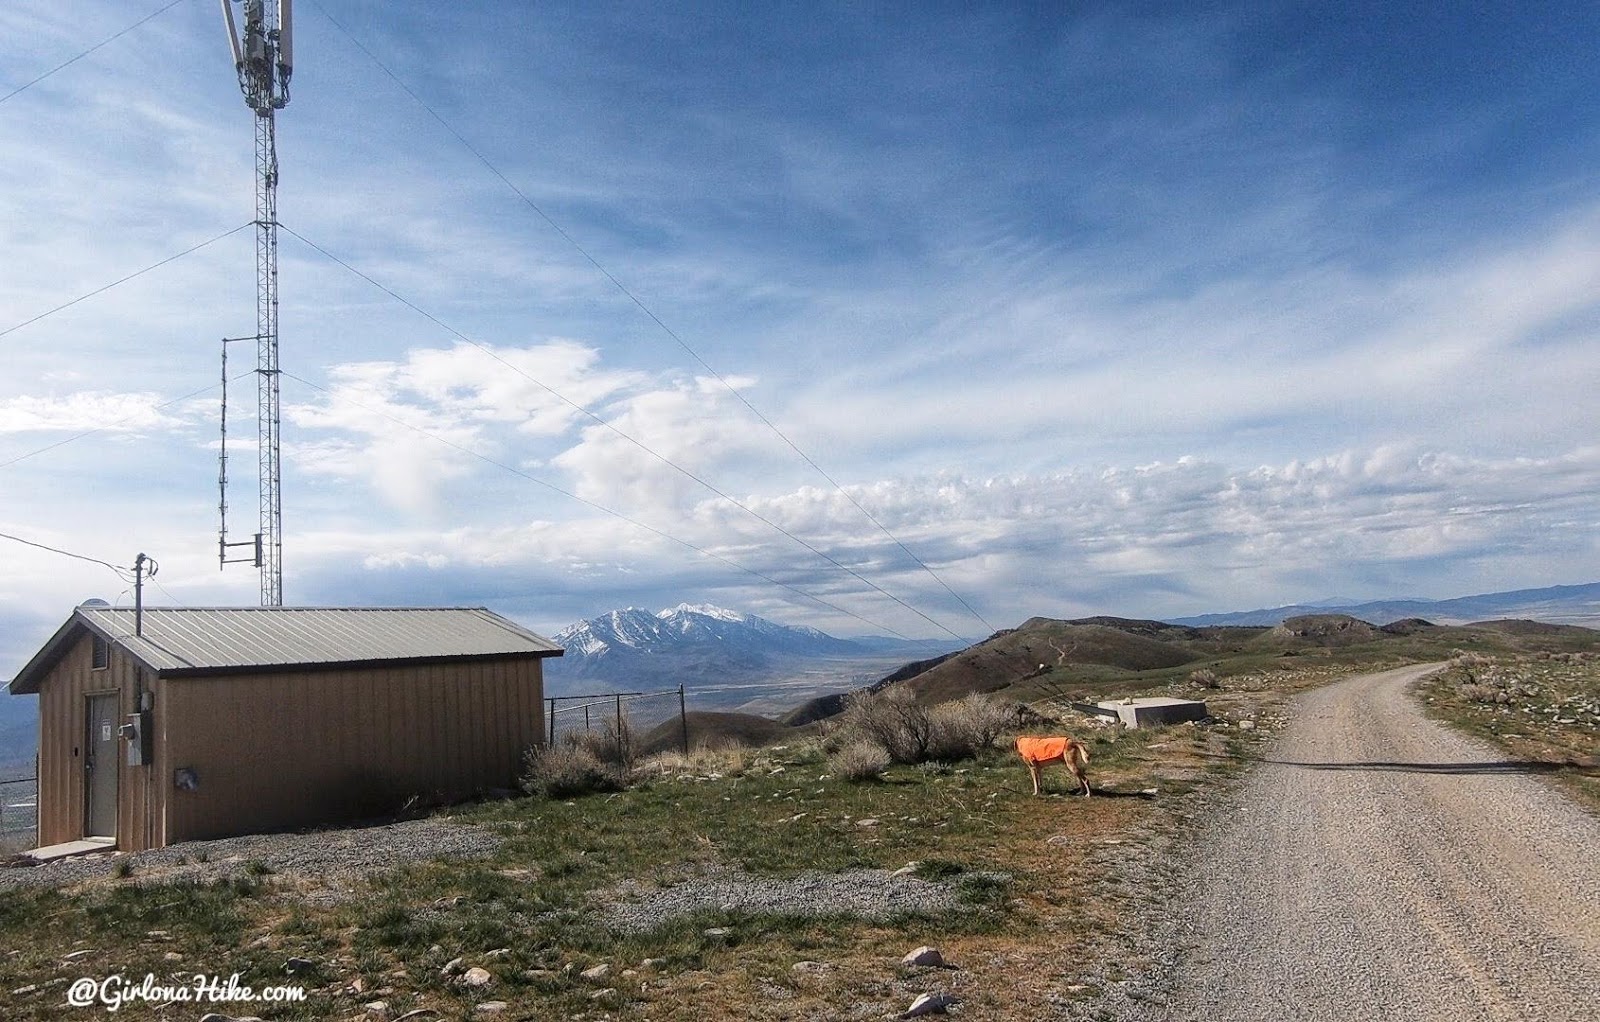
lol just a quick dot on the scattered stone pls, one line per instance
(603, 995)
(297, 966)
(929, 1004)
(499, 952)
(908, 869)
(1247, 725)
(809, 968)
(870, 821)
(653, 963)
(1060, 841)
(417, 1013)
(598, 974)
(212, 1016)
(172, 956)
(926, 956)
(490, 1008)
(75, 955)
(539, 975)
(452, 967)
(377, 1007)
(477, 976)
(718, 932)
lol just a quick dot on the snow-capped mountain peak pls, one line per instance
(704, 610)
(688, 627)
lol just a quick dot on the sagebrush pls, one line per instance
(569, 770)
(859, 761)
(909, 732)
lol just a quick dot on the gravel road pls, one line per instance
(1378, 865)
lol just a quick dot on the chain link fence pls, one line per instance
(19, 813)
(647, 721)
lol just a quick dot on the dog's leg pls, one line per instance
(1033, 772)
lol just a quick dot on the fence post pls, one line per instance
(552, 742)
(623, 747)
(683, 719)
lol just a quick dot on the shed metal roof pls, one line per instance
(198, 640)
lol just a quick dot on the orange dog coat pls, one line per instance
(1042, 750)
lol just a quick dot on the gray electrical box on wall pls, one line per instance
(137, 733)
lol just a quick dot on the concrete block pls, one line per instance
(1149, 711)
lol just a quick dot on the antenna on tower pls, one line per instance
(263, 56)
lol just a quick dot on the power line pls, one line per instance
(123, 280)
(657, 320)
(641, 445)
(120, 572)
(602, 508)
(85, 53)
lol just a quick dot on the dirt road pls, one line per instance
(1379, 866)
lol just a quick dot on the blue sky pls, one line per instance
(1147, 309)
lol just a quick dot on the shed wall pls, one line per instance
(62, 730)
(280, 750)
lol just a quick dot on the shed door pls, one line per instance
(100, 766)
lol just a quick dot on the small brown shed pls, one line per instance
(203, 723)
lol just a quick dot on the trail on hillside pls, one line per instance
(1380, 866)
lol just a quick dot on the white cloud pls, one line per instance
(1164, 538)
(412, 427)
(85, 410)
(694, 424)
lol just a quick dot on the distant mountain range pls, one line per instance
(704, 647)
(1565, 605)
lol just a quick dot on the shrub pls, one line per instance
(1204, 678)
(892, 719)
(861, 760)
(610, 743)
(966, 727)
(566, 771)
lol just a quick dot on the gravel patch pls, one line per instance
(333, 859)
(874, 894)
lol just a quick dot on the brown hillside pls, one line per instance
(813, 710)
(712, 730)
(1044, 642)
(1406, 626)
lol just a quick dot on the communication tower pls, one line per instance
(263, 54)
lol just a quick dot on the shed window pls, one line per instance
(100, 658)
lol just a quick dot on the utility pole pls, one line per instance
(143, 568)
(263, 56)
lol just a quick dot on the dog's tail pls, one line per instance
(1080, 752)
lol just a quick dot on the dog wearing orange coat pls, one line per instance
(1039, 753)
